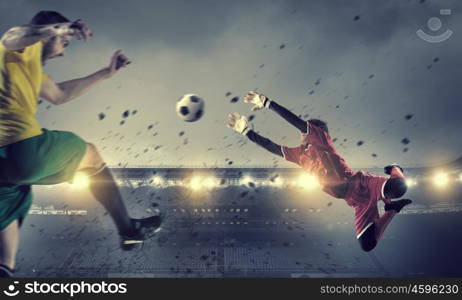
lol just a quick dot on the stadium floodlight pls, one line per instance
(246, 180)
(210, 182)
(81, 181)
(157, 180)
(410, 182)
(196, 183)
(277, 182)
(308, 181)
(441, 179)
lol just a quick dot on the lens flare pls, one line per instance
(308, 182)
(410, 182)
(81, 181)
(210, 182)
(157, 180)
(196, 183)
(441, 179)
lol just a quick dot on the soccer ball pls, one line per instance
(190, 108)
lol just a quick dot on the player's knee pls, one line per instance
(91, 148)
(367, 245)
(92, 157)
(395, 188)
(94, 152)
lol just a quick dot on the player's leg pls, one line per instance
(391, 210)
(369, 239)
(9, 240)
(105, 190)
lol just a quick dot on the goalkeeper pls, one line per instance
(318, 156)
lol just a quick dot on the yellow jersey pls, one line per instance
(21, 77)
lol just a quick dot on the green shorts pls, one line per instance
(50, 158)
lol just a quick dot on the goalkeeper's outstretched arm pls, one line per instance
(240, 124)
(260, 101)
(265, 143)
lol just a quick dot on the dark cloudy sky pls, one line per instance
(359, 65)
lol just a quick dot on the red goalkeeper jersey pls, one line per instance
(321, 159)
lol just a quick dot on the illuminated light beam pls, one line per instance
(460, 177)
(441, 179)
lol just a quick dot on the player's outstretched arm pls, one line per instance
(265, 143)
(240, 124)
(59, 93)
(260, 101)
(20, 37)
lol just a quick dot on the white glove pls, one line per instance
(238, 123)
(259, 100)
